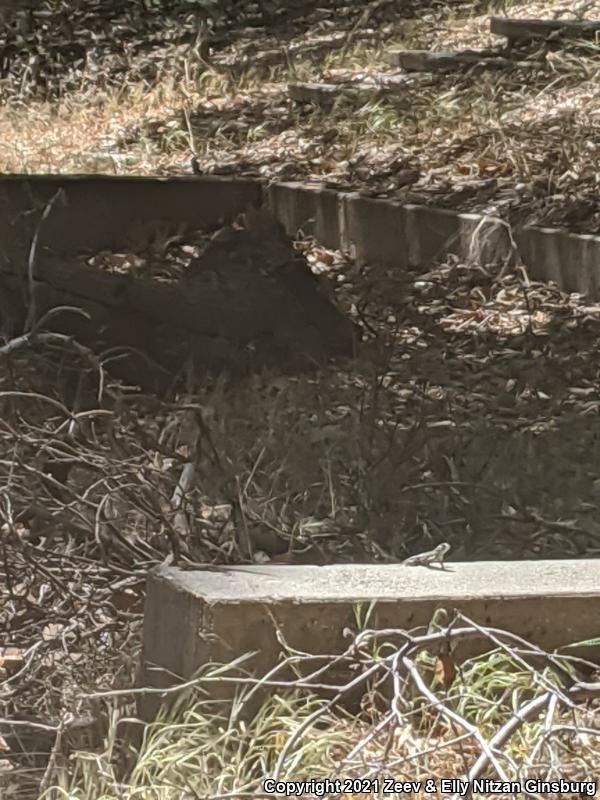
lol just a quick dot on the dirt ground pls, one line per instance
(182, 84)
(470, 413)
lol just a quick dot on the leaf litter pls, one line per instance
(470, 414)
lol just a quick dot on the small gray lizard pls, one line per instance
(435, 556)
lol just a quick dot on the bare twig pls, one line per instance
(31, 263)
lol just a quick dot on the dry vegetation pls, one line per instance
(520, 142)
(463, 374)
(462, 377)
(515, 713)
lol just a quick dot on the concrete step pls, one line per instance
(193, 618)
(395, 234)
(111, 212)
(526, 29)
(362, 91)
(326, 93)
(425, 61)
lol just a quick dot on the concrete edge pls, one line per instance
(393, 234)
(195, 618)
(381, 231)
(534, 28)
(98, 212)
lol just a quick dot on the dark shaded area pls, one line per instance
(248, 300)
(103, 212)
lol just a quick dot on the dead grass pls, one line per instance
(408, 728)
(520, 144)
(462, 375)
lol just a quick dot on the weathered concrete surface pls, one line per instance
(192, 618)
(399, 235)
(318, 93)
(314, 208)
(325, 94)
(375, 230)
(113, 212)
(107, 212)
(433, 233)
(386, 231)
(571, 260)
(426, 61)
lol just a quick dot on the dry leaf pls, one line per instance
(445, 670)
(52, 631)
(11, 660)
(126, 600)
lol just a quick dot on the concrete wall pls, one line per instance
(313, 208)
(108, 212)
(397, 235)
(113, 212)
(195, 618)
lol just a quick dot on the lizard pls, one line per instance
(435, 556)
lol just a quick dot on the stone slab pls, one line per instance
(110, 212)
(314, 92)
(375, 231)
(314, 209)
(425, 61)
(571, 260)
(327, 93)
(434, 233)
(324, 94)
(194, 618)
(524, 29)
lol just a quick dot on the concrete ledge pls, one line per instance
(437, 232)
(524, 29)
(399, 235)
(111, 212)
(572, 260)
(107, 212)
(326, 93)
(375, 230)
(315, 209)
(426, 61)
(318, 93)
(192, 618)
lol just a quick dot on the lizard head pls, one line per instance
(442, 548)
